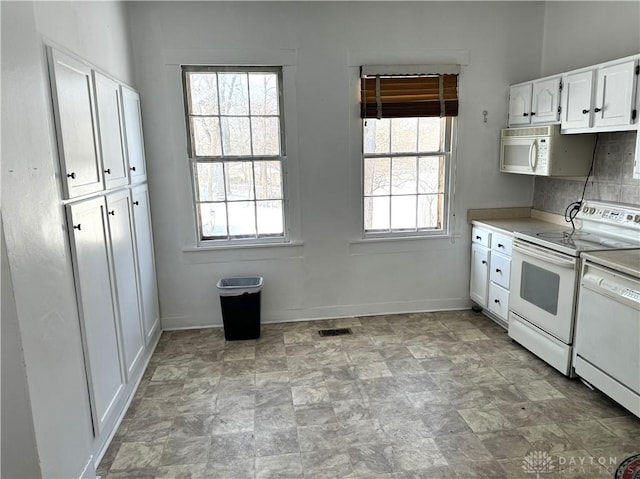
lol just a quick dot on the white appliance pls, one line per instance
(543, 151)
(545, 272)
(607, 338)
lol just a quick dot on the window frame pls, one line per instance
(447, 152)
(194, 160)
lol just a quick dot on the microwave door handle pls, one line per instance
(533, 155)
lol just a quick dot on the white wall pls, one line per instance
(329, 275)
(579, 34)
(19, 450)
(33, 216)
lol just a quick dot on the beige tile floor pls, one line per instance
(431, 395)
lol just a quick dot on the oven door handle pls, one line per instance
(553, 259)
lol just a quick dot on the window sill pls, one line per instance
(399, 244)
(226, 247)
(243, 252)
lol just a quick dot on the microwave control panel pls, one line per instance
(543, 152)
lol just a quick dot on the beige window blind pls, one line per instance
(402, 95)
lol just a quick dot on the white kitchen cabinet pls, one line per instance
(491, 270)
(576, 100)
(479, 281)
(601, 98)
(614, 97)
(126, 282)
(498, 301)
(535, 102)
(133, 134)
(88, 233)
(109, 127)
(146, 263)
(77, 136)
(520, 104)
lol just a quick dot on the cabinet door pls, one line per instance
(545, 101)
(123, 249)
(89, 244)
(576, 100)
(109, 121)
(146, 262)
(520, 104)
(479, 274)
(74, 110)
(133, 134)
(614, 95)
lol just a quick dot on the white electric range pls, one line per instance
(545, 274)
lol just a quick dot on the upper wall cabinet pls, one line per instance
(77, 135)
(535, 102)
(600, 98)
(133, 134)
(109, 127)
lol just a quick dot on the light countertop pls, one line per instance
(626, 261)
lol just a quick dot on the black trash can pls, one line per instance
(240, 303)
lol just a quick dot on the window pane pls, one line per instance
(403, 212)
(404, 176)
(206, 136)
(376, 135)
(377, 176)
(210, 181)
(265, 134)
(429, 137)
(213, 219)
(242, 218)
(235, 136)
(404, 135)
(204, 93)
(430, 209)
(270, 217)
(376, 213)
(239, 180)
(234, 94)
(263, 91)
(268, 178)
(431, 174)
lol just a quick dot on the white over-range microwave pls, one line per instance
(543, 151)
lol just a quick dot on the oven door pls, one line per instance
(543, 288)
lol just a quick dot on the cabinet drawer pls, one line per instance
(480, 236)
(500, 270)
(501, 243)
(498, 300)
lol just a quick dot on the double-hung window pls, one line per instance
(408, 131)
(236, 147)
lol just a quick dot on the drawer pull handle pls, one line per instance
(496, 300)
(484, 262)
(133, 168)
(108, 171)
(136, 203)
(72, 175)
(498, 270)
(77, 227)
(478, 237)
(112, 212)
(500, 245)
(597, 110)
(584, 112)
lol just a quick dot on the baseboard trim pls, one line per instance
(337, 312)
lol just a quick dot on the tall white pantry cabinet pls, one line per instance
(102, 169)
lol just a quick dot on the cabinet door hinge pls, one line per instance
(560, 85)
(634, 113)
(637, 69)
(559, 109)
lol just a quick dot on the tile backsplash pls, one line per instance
(612, 179)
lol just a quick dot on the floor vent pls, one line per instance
(334, 332)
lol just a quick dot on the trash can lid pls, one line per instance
(236, 283)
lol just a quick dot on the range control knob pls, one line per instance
(629, 217)
(637, 219)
